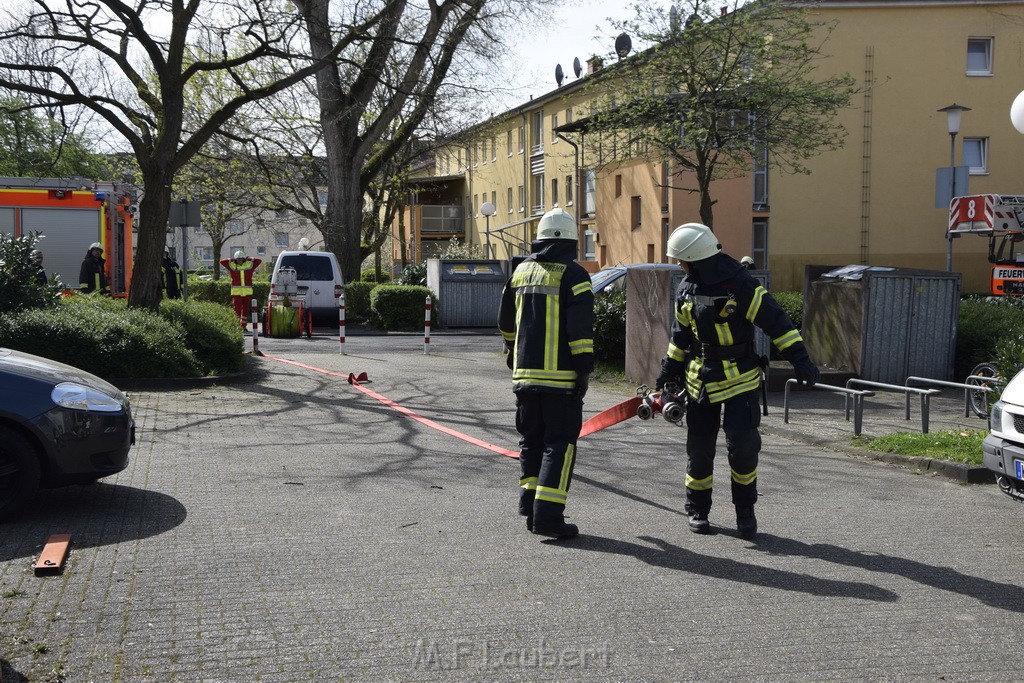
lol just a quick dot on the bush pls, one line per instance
(610, 327)
(414, 274)
(102, 336)
(399, 307)
(19, 288)
(985, 324)
(793, 304)
(357, 301)
(370, 275)
(211, 333)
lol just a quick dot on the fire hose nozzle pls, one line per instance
(648, 407)
(673, 412)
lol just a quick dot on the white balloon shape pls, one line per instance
(1017, 113)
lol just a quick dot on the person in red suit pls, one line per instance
(241, 269)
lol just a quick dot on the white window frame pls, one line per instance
(510, 205)
(281, 240)
(986, 42)
(981, 147)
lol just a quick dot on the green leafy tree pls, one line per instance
(720, 92)
(20, 288)
(35, 144)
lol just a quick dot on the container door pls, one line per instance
(68, 234)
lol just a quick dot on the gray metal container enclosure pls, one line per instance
(884, 324)
(468, 291)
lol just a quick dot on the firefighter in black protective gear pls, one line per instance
(92, 276)
(546, 320)
(712, 355)
(171, 276)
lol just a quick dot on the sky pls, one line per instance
(576, 28)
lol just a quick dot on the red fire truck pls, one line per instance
(1001, 218)
(71, 214)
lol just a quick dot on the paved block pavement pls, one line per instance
(286, 527)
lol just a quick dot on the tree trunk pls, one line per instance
(343, 216)
(145, 291)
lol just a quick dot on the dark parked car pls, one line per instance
(614, 277)
(58, 425)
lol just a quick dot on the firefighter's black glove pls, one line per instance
(666, 378)
(806, 372)
(582, 384)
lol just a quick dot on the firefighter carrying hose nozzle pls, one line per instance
(546, 319)
(711, 355)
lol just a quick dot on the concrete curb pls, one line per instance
(965, 474)
(251, 372)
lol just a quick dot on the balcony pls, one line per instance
(441, 219)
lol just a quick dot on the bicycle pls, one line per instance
(983, 375)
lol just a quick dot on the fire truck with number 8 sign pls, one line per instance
(1001, 218)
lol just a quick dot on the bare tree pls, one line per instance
(131, 66)
(421, 42)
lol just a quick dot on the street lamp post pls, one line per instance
(488, 210)
(953, 113)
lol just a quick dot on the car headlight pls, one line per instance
(995, 417)
(78, 397)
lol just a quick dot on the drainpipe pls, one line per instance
(576, 189)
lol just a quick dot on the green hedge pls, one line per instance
(610, 327)
(986, 325)
(370, 275)
(211, 332)
(357, 301)
(400, 307)
(793, 304)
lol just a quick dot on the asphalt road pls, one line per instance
(287, 527)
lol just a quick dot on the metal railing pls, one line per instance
(925, 395)
(858, 396)
(968, 388)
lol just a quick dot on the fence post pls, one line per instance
(426, 328)
(341, 321)
(254, 314)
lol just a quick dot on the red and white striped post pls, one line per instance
(341, 321)
(426, 328)
(255, 334)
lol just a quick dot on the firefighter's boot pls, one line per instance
(746, 522)
(526, 507)
(549, 520)
(698, 521)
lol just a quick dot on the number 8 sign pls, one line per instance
(967, 214)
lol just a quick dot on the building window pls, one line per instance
(322, 197)
(636, 217)
(494, 148)
(508, 142)
(522, 139)
(618, 186)
(976, 155)
(537, 194)
(759, 242)
(205, 253)
(522, 198)
(476, 155)
(537, 133)
(665, 186)
(554, 124)
(281, 239)
(589, 190)
(483, 154)
(568, 116)
(554, 192)
(494, 199)
(761, 178)
(510, 200)
(979, 56)
(569, 198)
(589, 245)
(476, 204)
(261, 251)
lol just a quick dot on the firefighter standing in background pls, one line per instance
(747, 262)
(92, 275)
(712, 355)
(241, 270)
(170, 276)
(37, 259)
(546, 319)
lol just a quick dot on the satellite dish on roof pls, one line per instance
(623, 45)
(576, 66)
(559, 74)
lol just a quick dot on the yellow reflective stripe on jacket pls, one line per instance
(726, 389)
(552, 495)
(676, 353)
(784, 341)
(581, 346)
(684, 313)
(724, 334)
(755, 303)
(744, 479)
(704, 484)
(534, 373)
(582, 287)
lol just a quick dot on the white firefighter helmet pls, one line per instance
(747, 261)
(95, 245)
(692, 242)
(556, 224)
(239, 254)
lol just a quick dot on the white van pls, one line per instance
(319, 280)
(1003, 448)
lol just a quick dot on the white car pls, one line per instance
(319, 280)
(1003, 448)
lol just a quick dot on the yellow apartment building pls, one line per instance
(871, 202)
